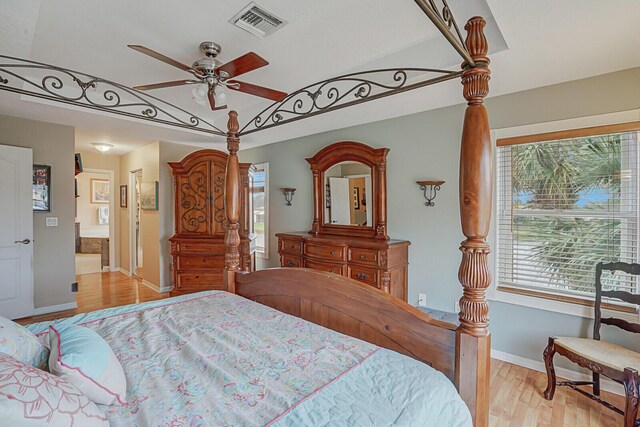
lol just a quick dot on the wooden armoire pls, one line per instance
(197, 247)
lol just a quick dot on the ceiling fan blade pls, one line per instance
(165, 84)
(244, 64)
(251, 89)
(163, 58)
(212, 101)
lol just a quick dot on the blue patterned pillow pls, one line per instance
(19, 343)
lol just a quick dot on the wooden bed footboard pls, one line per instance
(355, 309)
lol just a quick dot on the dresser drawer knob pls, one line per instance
(334, 253)
(291, 262)
(362, 276)
(363, 256)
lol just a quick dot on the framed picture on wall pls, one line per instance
(123, 196)
(356, 197)
(149, 196)
(41, 188)
(99, 190)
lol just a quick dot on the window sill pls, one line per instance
(564, 305)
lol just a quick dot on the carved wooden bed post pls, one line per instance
(474, 339)
(232, 205)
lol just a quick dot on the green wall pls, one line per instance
(426, 146)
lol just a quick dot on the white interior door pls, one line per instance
(16, 232)
(340, 212)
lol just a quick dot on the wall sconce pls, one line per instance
(430, 188)
(288, 194)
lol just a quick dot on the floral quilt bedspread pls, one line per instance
(217, 359)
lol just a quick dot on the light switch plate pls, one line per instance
(51, 221)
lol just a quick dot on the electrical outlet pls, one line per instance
(74, 287)
(456, 307)
(422, 300)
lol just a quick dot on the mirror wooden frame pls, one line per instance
(351, 151)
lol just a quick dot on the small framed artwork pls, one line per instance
(99, 190)
(79, 168)
(123, 196)
(327, 197)
(356, 197)
(149, 196)
(41, 188)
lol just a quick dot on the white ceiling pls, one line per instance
(549, 41)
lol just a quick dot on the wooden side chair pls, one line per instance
(602, 358)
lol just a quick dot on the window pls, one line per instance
(566, 201)
(260, 218)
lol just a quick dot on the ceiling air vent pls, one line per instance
(257, 21)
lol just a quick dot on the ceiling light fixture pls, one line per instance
(102, 147)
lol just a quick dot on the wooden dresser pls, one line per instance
(380, 263)
(197, 247)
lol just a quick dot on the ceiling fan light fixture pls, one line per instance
(102, 146)
(199, 91)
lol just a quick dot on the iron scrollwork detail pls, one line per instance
(218, 197)
(50, 82)
(344, 91)
(194, 201)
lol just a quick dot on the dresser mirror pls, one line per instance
(349, 185)
(347, 192)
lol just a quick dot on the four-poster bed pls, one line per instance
(347, 306)
(461, 352)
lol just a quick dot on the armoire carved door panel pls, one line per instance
(193, 208)
(217, 196)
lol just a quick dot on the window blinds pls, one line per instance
(564, 206)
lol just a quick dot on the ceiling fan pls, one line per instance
(210, 74)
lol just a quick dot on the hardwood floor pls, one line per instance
(516, 392)
(517, 401)
(103, 290)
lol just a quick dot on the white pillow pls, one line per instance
(19, 343)
(33, 397)
(84, 359)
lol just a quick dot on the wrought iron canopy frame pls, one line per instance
(356, 88)
(84, 90)
(328, 95)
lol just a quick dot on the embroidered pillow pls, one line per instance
(84, 359)
(19, 343)
(31, 396)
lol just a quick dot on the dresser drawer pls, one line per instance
(200, 248)
(364, 274)
(363, 256)
(290, 261)
(293, 247)
(196, 262)
(325, 266)
(199, 281)
(325, 252)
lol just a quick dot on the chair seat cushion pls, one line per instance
(602, 352)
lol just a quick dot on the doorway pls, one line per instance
(95, 221)
(136, 260)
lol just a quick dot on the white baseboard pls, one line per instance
(54, 308)
(123, 271)
(156, 287)
(537, 365)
